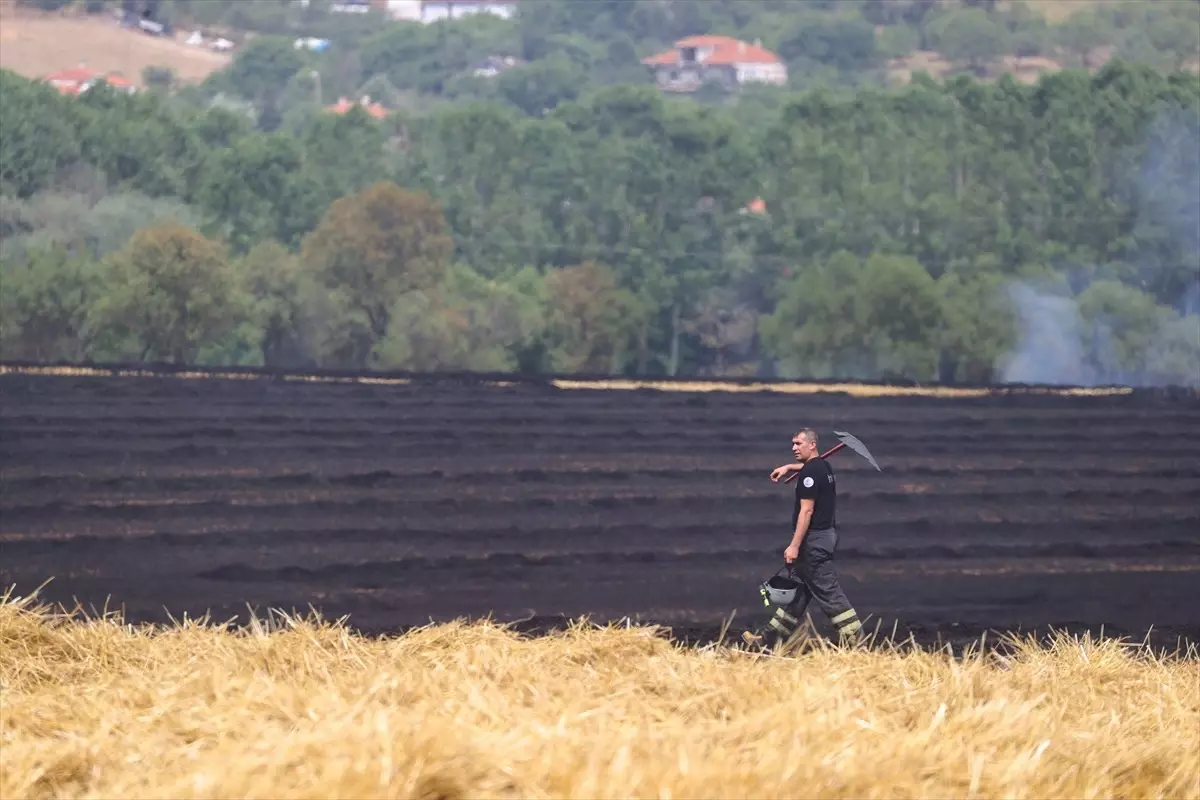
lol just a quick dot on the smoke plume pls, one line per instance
(1049, 348)
(1056, 345)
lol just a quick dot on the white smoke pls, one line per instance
(1057, 346)
(1049, 349)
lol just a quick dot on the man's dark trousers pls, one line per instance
(815, 568)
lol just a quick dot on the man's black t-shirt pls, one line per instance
(816, 482)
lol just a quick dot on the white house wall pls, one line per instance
(404, 10)
(432, 12)
(762, 73)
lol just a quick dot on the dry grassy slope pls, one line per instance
(1057, 10)
(1025, 70)
(35, 44)
(104, 710)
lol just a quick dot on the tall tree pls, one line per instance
(171, 292)
(373, 247)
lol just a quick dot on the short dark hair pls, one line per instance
(808, 433)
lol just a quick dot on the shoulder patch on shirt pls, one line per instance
(808, 482)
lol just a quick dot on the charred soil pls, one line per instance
(402, 504)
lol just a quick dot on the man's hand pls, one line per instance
(792, 553)
(781, 472)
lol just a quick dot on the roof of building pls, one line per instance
(117, 80)
(73, 80)
(343, 105)
(80, 74)
(726, 51)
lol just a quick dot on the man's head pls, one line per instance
(804, 445)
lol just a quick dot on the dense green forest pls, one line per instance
(967, 230)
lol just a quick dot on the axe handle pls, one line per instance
(833, 450)
(826, 454)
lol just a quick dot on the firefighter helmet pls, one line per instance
(780, 590)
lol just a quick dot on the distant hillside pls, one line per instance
(1025, 70)
(34, 43)
(558, 50)
(1055, 11)
(1029, 38)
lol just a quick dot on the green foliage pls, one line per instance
(89, 230)
(281, 297)
(260, 71)
(897, 41)
(169, 293)
(969, 35)
(426, 57)
(813, 330)
(464, 322)
(539, 87)
(1120, 324)
(373, 248)
(978, 326)
(1082, 33)
(539, 225)
(844, 42)
(45, 305)
(591, 323)
(259, 187)
(36, 135)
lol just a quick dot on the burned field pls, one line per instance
(400, 503)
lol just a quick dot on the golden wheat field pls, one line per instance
(303, 708)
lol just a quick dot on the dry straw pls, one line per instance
(615, 384)
(301, 708)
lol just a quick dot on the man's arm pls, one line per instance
(787, 472)
(802, 520)
(806, 512)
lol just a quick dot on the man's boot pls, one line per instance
(782, 624)
(849, 628)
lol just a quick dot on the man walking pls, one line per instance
(814, 540)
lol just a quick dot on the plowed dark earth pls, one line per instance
(398, 504)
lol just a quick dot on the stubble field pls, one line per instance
(400, 503)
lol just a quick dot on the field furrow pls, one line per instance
(400, 503)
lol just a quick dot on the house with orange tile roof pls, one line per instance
(77, 80)
(723, 60)
(343, 105)
(755, 206)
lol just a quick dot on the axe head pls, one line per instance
(857, 446)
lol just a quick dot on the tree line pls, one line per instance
(963, 231)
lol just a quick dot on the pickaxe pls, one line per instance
(847, 440)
